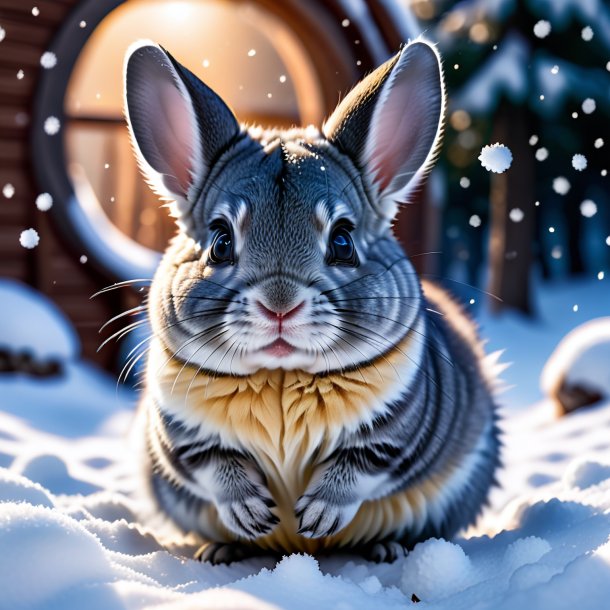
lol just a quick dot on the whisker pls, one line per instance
(123, 284)
(134, 310)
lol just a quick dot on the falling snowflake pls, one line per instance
(579, 162)
(464, 182)
(345, 23)
(587, 33)
(2, 33)
(542, 29)
(604, 172)
(44, 202)
(282, 78)
(205, 63)
(48, 60)
(83, 259)
(600, 275)
(82, 25)
(8, 190)
(555, 70)
(533, 140)
(35, 11)
(472, 301)
(588, 106)
(588, 208)
(51, 125)
(20, 74)
(29, 238)
(598, 143)
(542, 154)
(251, 52)
(561, 185)
(475, 221)
(496, 158)
(516, 214)
(575, 308)
(556, 252)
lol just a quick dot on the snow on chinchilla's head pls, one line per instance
(285, 256)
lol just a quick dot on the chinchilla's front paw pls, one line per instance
(248, 517)
(319, 517)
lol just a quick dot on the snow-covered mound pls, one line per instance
(31, 322)
(579, 368)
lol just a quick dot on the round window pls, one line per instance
(275, 63)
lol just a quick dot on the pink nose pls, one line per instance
(279, 316)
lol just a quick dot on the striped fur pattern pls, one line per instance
(303, 390)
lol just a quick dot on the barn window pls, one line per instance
(275, 63)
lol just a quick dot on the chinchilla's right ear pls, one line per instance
(178, 125)
(390, 124)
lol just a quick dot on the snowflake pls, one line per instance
(35, 11)
(533, 140)
(600, 275)
(44, 202)
(345, 23)
(516, 215)
(205, 63)
(82, 25)
(588, 106)
(51, 125)
(557, 252)
(20, 74)
(587, 33)
(475, 221)
(598, 143)
(561, 185)
(588, 208)
(496, 158)
(282, 78)
(48, 60)
(29, 238)
(83, 259)
(542, 154)
(251, 52)
(2, 33)
(542, 29)
(555, 70)
(579, 162)
(8, 190)
(464, 182)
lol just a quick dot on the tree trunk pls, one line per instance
(510, 243)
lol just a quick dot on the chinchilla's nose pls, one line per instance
(277, 315)
(279, 297)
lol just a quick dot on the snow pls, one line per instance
(599, 142)
(588, 208)
(542, 154)
(587, 33)
(516, 215)
(20, 74)
(496, 158)
(44, 202)
(475, 221)
(51, 125)
(8, 190)
(251, 52)
(29, 238)
(464, 182)
(579, 162)
(588, 106)
(533, 140)
(542, 28)
(35, 11)
(2, 33)
(561, 185)
(542, 543)
(48, 60)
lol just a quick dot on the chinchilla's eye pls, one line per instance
(341, 249)
(222, 244)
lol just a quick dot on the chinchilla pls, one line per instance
(304, 390)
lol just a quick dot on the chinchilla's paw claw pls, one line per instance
(387, 551)
(318, 518)
(250, 518)
(226, 552)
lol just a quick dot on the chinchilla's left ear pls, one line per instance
(390, 124)
(178, 125)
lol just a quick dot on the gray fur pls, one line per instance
(281, 192)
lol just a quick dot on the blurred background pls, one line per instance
(531, 74)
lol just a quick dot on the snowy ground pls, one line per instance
(69, 537)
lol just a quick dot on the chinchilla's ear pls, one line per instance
(178, 125)
(390, 124)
